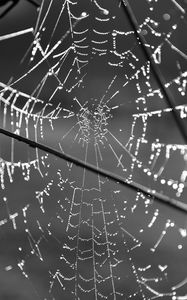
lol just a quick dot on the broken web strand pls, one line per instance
(84, 126)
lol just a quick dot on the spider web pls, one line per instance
(81, 85)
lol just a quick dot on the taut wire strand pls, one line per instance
(104, 173)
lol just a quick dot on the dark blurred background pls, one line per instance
(22, 274)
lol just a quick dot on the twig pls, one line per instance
(118, 179)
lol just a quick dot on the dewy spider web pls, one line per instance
(84, 88)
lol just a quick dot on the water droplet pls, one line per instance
(166, 17)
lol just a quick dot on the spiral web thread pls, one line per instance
(91, 95)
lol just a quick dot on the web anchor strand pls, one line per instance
(118, 179)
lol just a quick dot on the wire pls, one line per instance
(118, 179)
(155, 70)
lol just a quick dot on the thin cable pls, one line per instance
(34, 3)
(155, 70)
(104, 173)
